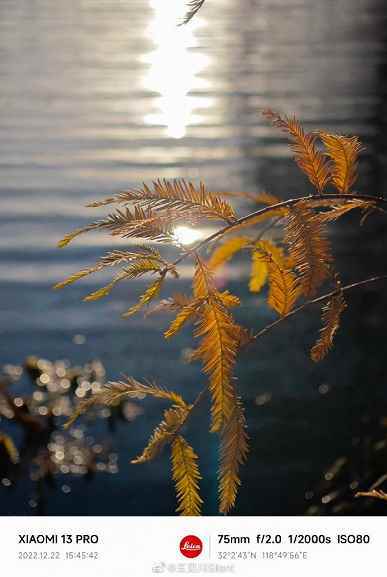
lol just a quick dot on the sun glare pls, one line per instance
(173, 67)
(187, 235)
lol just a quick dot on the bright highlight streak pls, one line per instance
(173, 67)
(187, 235)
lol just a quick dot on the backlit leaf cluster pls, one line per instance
(287, 245)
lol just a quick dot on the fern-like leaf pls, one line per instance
(174, 419)
(343, 152)
(219, 344)
(233, 453)
(193, 7)
(218, 350)
(105, 290)
(331, 314)
(229, 300)
(309, 248)
(224, 252)
(185, 473)
(283, 286)
(191, 310)
(309, 159)
(75, 277)
(179, 197)
(113, 393)
(113, 258)
(143, 266)
(151, 293)
(136, 390)
(203, 280)
(137, 269)
(284, 290)
(185, 314)
(138, 223)
(75, 233)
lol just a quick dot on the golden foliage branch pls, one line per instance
(284, 288)
(185, 468)
(113, 393)
(219, 343)
(306, 154)
(314, 200)
(179, 198)
(317, 300)
(331, 314)
(343, 152)
(294, 267)
(307, 240)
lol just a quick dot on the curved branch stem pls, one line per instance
(279, 205)
(319, 299)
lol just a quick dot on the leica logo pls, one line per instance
(191, 546)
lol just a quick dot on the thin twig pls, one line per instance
(284, 204)
(379, 482)
(192, 408)
(319, 299)
(375, 494)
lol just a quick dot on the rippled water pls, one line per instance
(96, 95)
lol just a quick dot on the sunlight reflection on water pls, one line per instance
(174, 67)
(137, 98)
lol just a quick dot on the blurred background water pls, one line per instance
(99, 95)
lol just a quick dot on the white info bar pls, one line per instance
(148, 546)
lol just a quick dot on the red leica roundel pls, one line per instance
(191, 546)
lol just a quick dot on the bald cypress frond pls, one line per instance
(219, 343)
(306, 154)
(151, 293)
(186, 475)
(233, 453)
(181, 197)
(114, 392)
(309, 248)
(163, 434)
(284, 288)
(331, 315)
(291, 254)
(344, 153)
